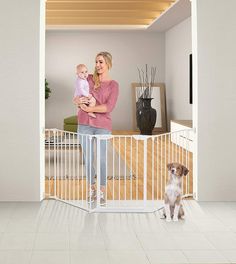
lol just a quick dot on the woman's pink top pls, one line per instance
(106, 94)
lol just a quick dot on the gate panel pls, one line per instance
(135, 169)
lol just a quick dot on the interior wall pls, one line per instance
(66, 49)
(178, 47)
(214, 42)
(21, 101)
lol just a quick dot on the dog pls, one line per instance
(173, 208)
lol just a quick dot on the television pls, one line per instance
(190, 79)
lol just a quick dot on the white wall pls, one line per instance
(65, 49)
(178, 48)
(214, 57)
(21, 153)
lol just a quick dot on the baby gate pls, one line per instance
(135, 168)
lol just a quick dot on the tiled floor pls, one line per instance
(53, 232)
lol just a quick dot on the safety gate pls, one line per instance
(131, 171)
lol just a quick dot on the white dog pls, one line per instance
(173, 192)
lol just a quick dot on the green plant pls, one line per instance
(47, 90)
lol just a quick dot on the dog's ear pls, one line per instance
(169, 165)
(184, 171)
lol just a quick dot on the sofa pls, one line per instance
(71, 123)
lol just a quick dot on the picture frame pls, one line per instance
(158, 103)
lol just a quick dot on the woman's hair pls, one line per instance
(108, 59)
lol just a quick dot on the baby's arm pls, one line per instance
(78, 100)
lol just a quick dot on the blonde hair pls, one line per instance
(108, 59)
(80, 66)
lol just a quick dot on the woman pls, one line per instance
(105, 91)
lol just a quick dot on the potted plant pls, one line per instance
(145, 114)
(47, 90)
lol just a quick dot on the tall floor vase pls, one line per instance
(146, 116)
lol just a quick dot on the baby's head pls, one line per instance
(82, 71)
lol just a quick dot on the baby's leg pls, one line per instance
(92, 101)
(92, 115)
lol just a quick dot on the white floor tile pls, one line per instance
(47, 226)
(50, 257)
(56, 230)
(15, 257)
(166, 256)
(56, 212)
(130, 257)
(116, 229)
(9, 205)
(233, 228)
(180, 226)
(157, 241)
(115, 223)
(194, 241)
(222, 241)
(89, 257)
(5, 211)
(31, 210)
(22, 226)
(51, 241)
(229, 254)
(147, 223)
(16, 241)
(211, 225)
(84, 223)
(204, 256)
(121, 242)
(3, 224)
(81, 241)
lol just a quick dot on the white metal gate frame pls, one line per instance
(67, 179)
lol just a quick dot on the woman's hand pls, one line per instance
(86, 108)
(80, 100)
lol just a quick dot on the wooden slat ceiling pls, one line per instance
(102, 13)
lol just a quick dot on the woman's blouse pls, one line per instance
(106, 94)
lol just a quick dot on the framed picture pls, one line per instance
(158, 103)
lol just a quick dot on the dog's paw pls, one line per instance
(168, 219)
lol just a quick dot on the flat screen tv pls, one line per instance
(190, 79)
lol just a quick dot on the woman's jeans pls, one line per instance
(87, 144)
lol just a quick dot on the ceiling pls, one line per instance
(114, 14)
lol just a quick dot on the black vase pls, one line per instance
(145, 115)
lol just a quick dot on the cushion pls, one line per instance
(71, 120)
(71, 123)
(70, 128)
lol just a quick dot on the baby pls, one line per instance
(82, 86)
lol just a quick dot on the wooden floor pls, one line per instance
(130, 184)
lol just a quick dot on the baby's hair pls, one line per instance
(79, 66)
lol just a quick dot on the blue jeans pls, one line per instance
(87, 144)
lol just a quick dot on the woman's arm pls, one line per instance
(109, 104)
(95, 109)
